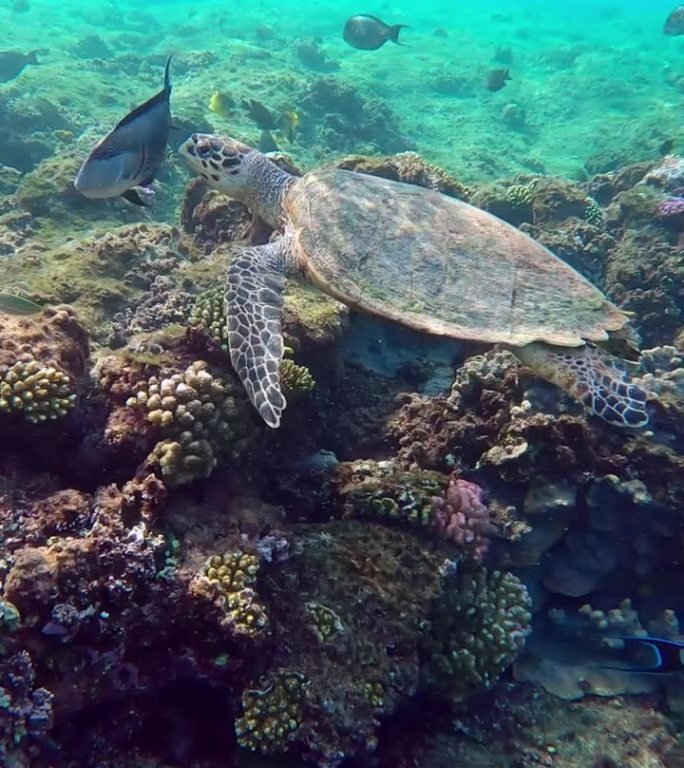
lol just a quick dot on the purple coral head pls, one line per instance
(672, 206)
(462, 516)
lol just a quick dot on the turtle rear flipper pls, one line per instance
(595, 378)
(253, 306)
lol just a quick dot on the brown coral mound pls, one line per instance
(408, 167)
(349, 610)
(500, 420)
(54, 337)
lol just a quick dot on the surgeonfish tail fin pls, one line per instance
(393, 32)
(167, 74)
(32, 56)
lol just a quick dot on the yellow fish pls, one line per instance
(287, 125)
(222, 103)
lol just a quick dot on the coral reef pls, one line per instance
(408, 167)
(468, 650)
(272, 713)
(234, 575)
(190, 416)
(449, 507)
(42, 364)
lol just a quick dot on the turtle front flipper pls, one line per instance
(253, 306)
(595, 378)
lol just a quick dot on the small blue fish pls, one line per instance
(667, 654)
(126, 161)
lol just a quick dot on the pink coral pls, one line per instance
(462, 516)
(672, 206)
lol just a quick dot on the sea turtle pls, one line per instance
(415, 256)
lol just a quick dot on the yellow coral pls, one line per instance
(234, 576)
(198, 415)
(324, 621)
(295, 380)
(271, 713)
(39, 393)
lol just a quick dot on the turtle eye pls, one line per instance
(203, 148)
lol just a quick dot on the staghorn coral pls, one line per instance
(234, 576)
(271, 713)
(469, 649)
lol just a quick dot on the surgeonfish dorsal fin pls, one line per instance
(167, 73)
(159, 98)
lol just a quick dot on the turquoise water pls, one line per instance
(590, 78)
(442, 553)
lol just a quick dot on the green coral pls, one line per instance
(592, 212)
(374, 693)
(480, 626)
(296, 380)
(374, 490)
(199, 415)
(40, 393)
(324, 621)
(520, 195)
(272, 713)
(234, 577)
(209, 313)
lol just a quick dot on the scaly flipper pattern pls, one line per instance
(595, 378)
(253, 305)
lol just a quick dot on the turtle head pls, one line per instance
(218, 159)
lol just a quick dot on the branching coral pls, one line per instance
(198, 415)
(25, 710)
(479, 628)
(209, 314)
(296, 380)
(272, 713)
(462, 515)
(234, 577)
(36, 392)
(42, 359)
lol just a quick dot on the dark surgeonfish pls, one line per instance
(666, 654)
(12, 63)
(674, 24)
(496, 79)
(368, 33)
(126, 161)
